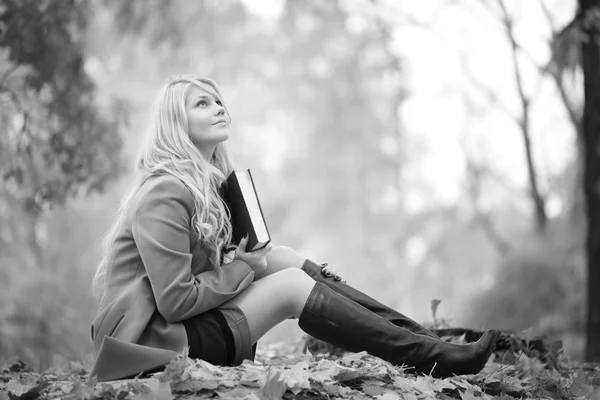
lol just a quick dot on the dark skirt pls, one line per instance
(220, 336)
(210, 338)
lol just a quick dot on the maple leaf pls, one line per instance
(388, 395)
(80, 391)
(371, 389)
(274, 387)
(324, 370)
(472, 394)
(297, 377)
(174, 369)
(28, 387)
(195, 385)
(237, 393)
(159, 390)
(332, 389)
(251, 375)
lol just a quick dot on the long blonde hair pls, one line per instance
(168, 149)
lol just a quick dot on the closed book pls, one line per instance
(241, 198)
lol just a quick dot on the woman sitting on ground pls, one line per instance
(165, 283)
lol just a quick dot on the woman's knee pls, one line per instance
(285, 257)
(297, 286)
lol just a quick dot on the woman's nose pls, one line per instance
(220, 110)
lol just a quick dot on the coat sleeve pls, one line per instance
(161, 230)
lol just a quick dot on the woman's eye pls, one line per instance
(202, 103)
(219, 103)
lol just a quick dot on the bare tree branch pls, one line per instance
(524, 119)
(549, 17)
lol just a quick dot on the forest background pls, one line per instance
(425, 150)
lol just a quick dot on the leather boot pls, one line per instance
(314, 271)
(335, 319)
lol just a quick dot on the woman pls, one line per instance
(166, 284)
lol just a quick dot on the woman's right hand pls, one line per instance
(257, 260)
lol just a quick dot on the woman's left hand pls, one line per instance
(329, 272)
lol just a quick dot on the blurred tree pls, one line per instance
(588, 21)
(55, 140)
(554, 68)
(55, 143)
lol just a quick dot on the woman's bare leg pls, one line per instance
(281, 258)
(273, 299)
(332, 317)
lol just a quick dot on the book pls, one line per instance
(239, 194)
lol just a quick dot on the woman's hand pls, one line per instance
(328, 272)
(257, 260)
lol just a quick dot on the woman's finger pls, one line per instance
(242, 245)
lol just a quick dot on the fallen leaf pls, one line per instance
(216, 371)
(388, 395)
(409, 396)
(347, 374)
(27, 387)
(497, 388)
(159, 389)
(274, 387)
(80, 391)
(237, 393)
(194, 385)
(332, 389)
(251, 375)
(324, 370)
(472, 394)
(174, 369)
(354, 357)
(296, 377)
(372, 390)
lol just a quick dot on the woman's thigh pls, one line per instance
(281, 258)
(274, 298)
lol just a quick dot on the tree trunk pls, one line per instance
(590, 51)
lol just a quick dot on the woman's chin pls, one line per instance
(223, 137)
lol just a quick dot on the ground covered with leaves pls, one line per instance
(521, 368)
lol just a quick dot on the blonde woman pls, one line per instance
(165, 283)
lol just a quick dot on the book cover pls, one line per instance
(239, 193)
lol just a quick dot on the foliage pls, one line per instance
(283, 371)
(54, 139)
(57, 142)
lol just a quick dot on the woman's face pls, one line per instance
(207, 121)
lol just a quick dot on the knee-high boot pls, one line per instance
(333, 318)
(396, 318)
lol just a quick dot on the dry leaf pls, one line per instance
(28, 386)
(274, 387)
(174, 370)
(389, 395)
(296, 378)
(159, 390)
(372, 390)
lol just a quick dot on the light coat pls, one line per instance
(158, 275)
